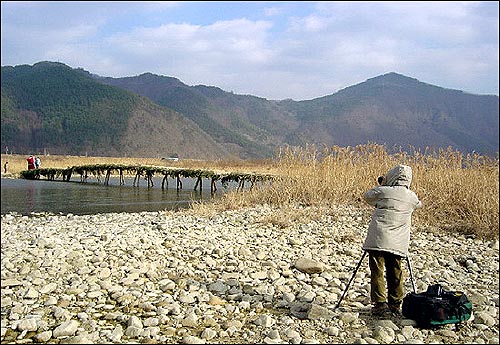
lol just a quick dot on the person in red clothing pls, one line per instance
(31, 162)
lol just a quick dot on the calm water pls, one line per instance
(27, 196)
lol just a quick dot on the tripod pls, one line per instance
(356, 270)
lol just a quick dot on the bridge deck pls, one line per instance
(106, 170)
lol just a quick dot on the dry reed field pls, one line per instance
(460, 193)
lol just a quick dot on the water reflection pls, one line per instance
(27, 196)
(31, 196)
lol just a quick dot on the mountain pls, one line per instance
(72, 111)
(250, 126)
(400, 111)
(53, 108)
(390, 109)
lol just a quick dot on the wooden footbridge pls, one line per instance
(102, 172)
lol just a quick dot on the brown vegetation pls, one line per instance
(460, 193)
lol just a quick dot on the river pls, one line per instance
(34, 196)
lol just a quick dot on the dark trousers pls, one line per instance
(391, 263)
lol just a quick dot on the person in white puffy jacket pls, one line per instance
(388, 237)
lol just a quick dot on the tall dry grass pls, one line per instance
(459, 192)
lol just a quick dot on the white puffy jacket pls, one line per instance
(394, 202)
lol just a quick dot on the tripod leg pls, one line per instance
(353, 275)
(411, 274)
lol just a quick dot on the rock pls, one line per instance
(317, 312)
(10, 282)
(134, 321)
(78, 339)
(228, 277)
(31, 293)
(192, 340)
(310, 266)
(29, 325)
(104, 273)
(117, 334)
(48, 288)
(191, 320)
(208, 334)
(384, 335)
(67, 328)
(43, 337)
(265, 321)
(216, 300)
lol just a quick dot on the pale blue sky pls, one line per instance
(277, 50)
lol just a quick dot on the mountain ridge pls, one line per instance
(390, 109)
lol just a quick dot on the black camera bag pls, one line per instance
(437, 307)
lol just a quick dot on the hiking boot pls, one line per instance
(379, 309)
(395, 308)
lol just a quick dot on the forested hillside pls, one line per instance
(58, 107)
(52, 107)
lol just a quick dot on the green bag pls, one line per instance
(437, 307)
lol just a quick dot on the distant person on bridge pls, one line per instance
(31, 162)
(38, 162)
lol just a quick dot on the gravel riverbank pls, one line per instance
(235, 277)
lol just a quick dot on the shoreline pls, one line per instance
(232, 277)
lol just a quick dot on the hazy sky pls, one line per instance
(276, 50)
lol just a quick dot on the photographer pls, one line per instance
(388, 236)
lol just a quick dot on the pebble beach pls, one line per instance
(235, 276)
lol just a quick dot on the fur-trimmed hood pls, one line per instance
(400, 175)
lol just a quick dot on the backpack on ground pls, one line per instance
(437, 307)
